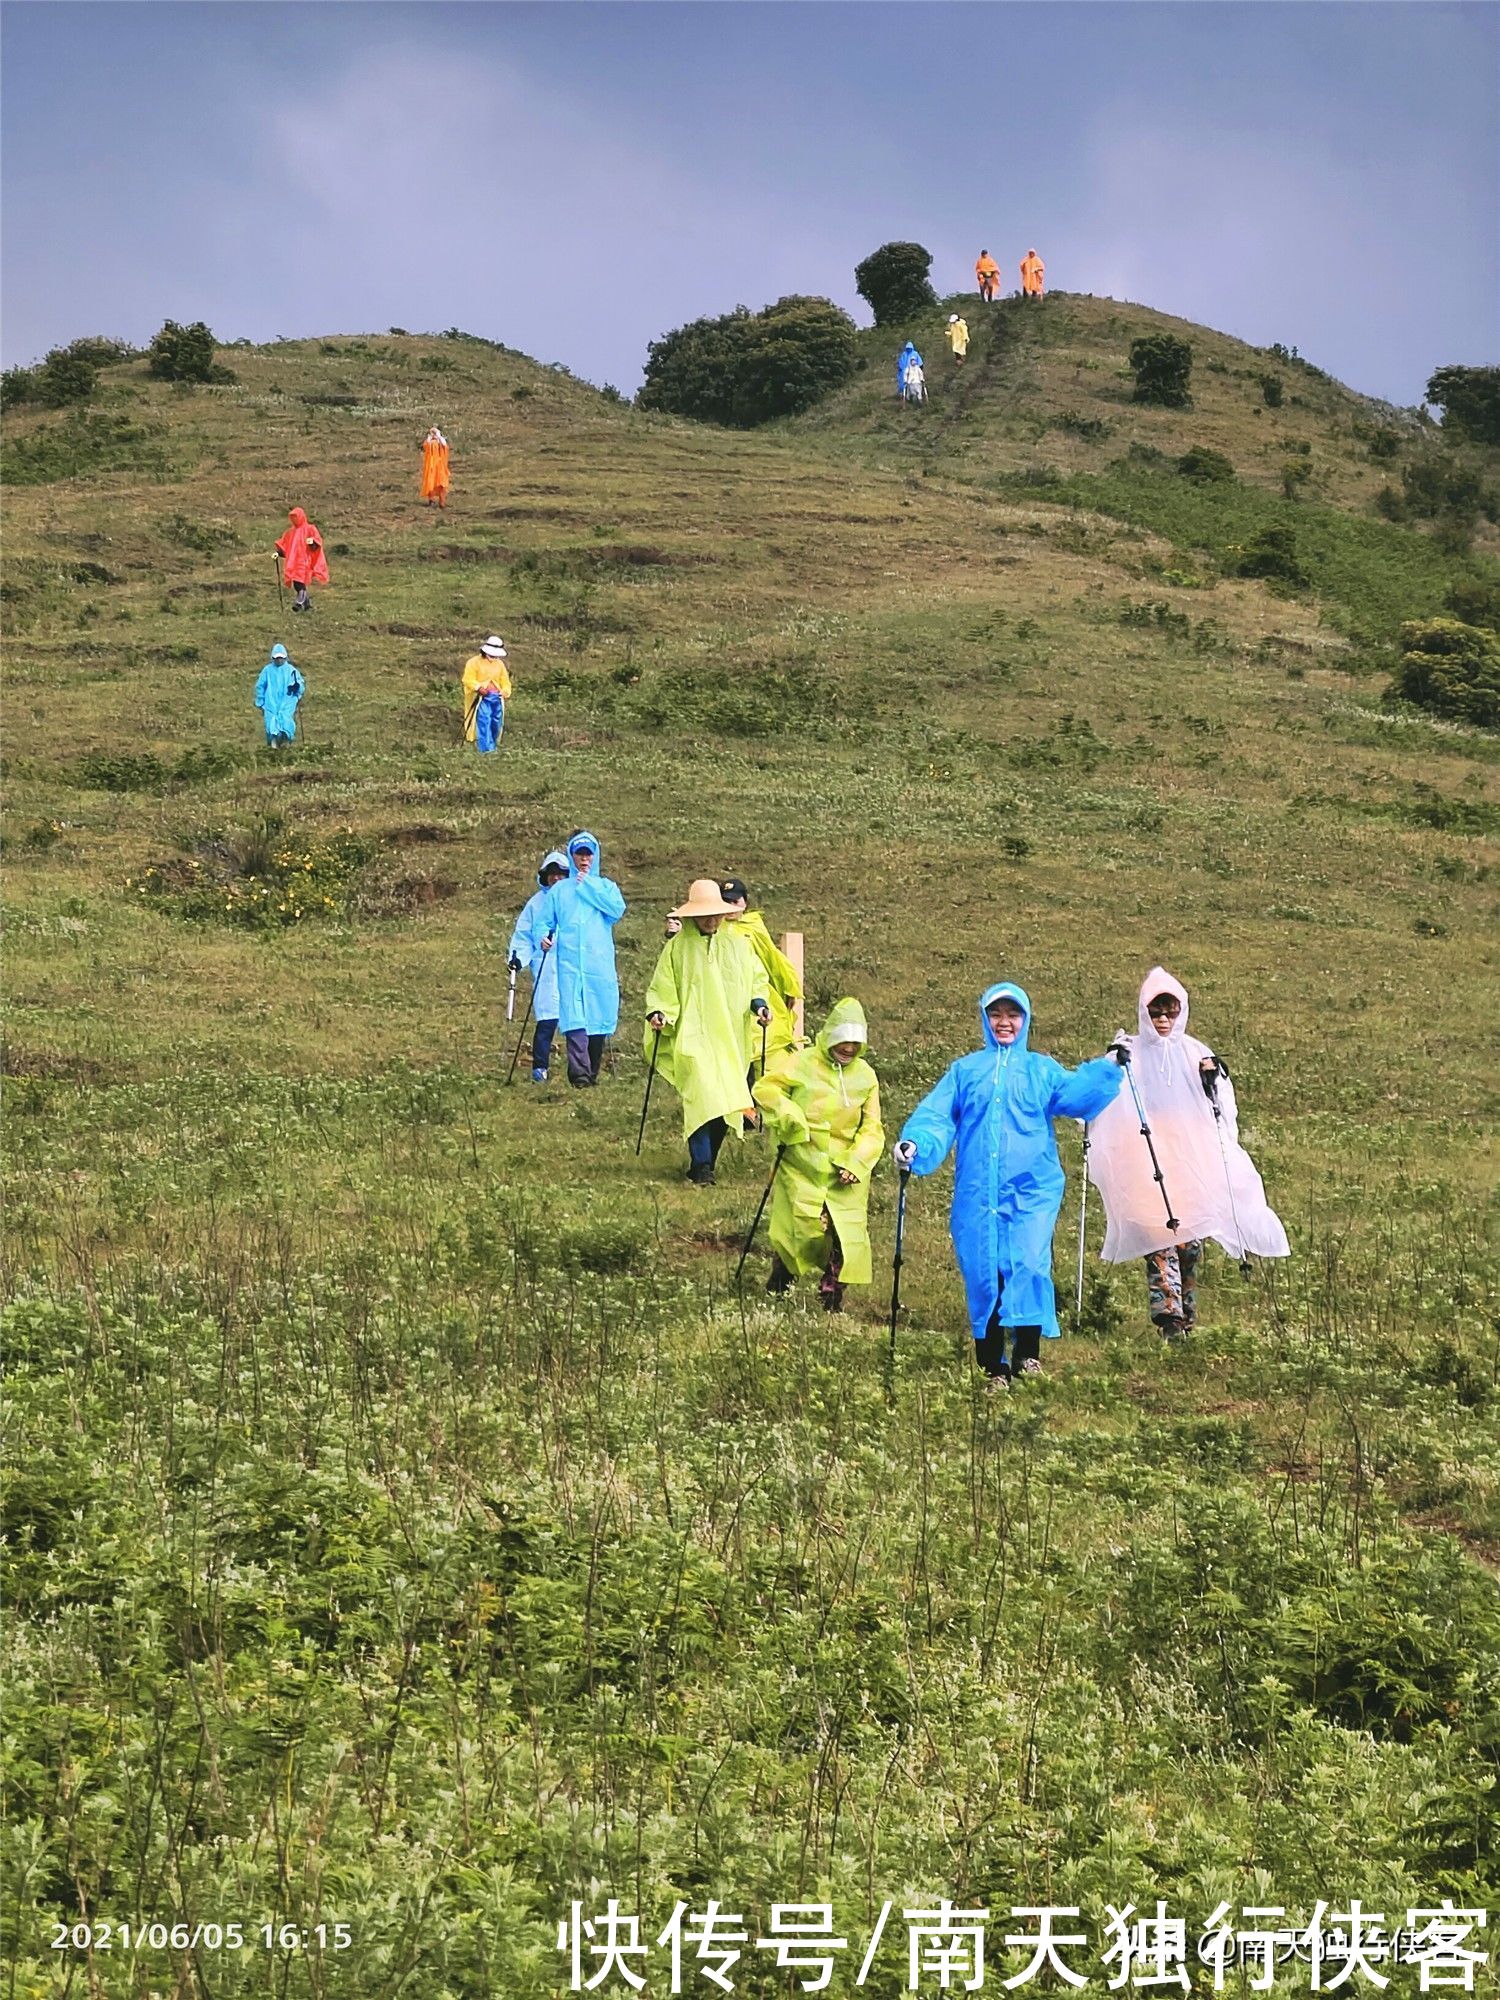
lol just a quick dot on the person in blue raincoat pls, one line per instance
(277, 694)
(528, 953)
(904, 360)
(999, 1104)
(581, 914)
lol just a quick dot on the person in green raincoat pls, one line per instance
(779, 981)
(701, 999)
(822, 1106)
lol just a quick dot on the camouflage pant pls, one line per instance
(1172, 1282)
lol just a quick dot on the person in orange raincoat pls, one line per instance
(987, 271)
(301, 550)
(436, 478)
(1033, 273)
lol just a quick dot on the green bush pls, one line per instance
(893, 282)
(1469, 399)
(1162, 366)
(1271, 391)
(1207, 466)
(65, 377)
(185, 354)
(1273, 556)
(1476, 602)
(746, 368)
(1451, 668)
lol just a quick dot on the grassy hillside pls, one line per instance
(408, 1526)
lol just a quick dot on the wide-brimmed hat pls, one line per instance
(493, 648)
(953, 319)
(705, 899)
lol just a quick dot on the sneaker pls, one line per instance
(780, 1279)
(1171, 1329)
(998, 1382)
(833, 1300)
(701, 1176)
(539, 1076)
(1031, 1366)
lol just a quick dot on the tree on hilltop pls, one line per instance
(185, 354)
(745, 368)
(893, 282)
(1469, 399)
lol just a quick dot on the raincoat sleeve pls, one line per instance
(262, 687)
(785, 1118)
(662, 996)
(863, 1152)
(524, 941)
(1084, 1092)
(933, 1126)
(602, 895)
(779, 969)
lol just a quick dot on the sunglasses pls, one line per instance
(1156, 1007)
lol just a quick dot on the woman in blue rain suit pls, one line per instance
(277, 694)
(529, 953)
(581, 914)
(998, 1104)
(904, 360)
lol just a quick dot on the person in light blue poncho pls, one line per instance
(581, 913)
(998, 1104)
(277, 694)
(530, 951)
(904, 360)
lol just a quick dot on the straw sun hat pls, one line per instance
(705, 900)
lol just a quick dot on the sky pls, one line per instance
(576, 179)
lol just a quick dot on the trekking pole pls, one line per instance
(280, 593)
(1210, 1082)
(1083, 1210)
(764, 1030)
(650, 1079)
(764, 1198)
(1123, 1058)
(890, 1365)
(510, 998)
(526, 1017)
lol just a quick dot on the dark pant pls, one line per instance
(704, 1144)
(585, 1052)
(989, 1351)
(541, 1043)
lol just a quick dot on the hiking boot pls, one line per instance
(539, 1076)
(833, 1299)
(701, 1176)
(998, 1382)
(780, 1279)
(1171, 1328)
(1031, 1366)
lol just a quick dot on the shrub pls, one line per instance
(1450, 668)
(1271, 391)
(258, 879)
(893, 282)
(745, 368)
(1469, 399)
(1206, 466)
(1476, 602)
(1161, 365)
(65, 378)
(1295, 474)
(185, 354)
(1273, 556)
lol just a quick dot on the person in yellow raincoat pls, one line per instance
(822, 1106)
(1033, 275)
(958, 337)
(436, 478)
(486, 686)
(702, 996)
(778, 980)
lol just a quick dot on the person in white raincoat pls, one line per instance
(1215, 1189)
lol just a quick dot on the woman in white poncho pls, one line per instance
(1214, 1187)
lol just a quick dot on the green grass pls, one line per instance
(407, 1525)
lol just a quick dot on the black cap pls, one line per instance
(733, 890)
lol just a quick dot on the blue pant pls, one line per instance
(704, 1144)
(489, 722)
(541, 1043)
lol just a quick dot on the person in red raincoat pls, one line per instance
(301, 550)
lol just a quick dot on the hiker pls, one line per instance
(580, 914)
(822, 1106)
(987, 271)
(1033, 274)
(530, 952)
(1214, 1193)
(301, 551)
(915, 388)
(958, 337)
(998, 1104)
(277, 694)
(778, 979)
(436, 478)
(904, 360)
(486, 689)
(702, 994)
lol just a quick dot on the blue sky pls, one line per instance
(576, 179)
